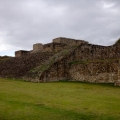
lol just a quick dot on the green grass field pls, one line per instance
(21, 100)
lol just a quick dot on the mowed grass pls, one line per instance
(21, 100)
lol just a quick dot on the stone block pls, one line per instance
(37, 47)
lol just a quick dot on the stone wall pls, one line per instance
(95, 52)
(37, 47)
(96, 64)
(47, 47)
(97, 72)
(58, 71)
(21, 53)
(68, 41)
(19, 66)
(117, 83)
(55, 47)
(82, 62)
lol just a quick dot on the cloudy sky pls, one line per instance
(26, 22)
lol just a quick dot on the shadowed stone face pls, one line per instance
(21, 53)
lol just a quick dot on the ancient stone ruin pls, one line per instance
(65, 59)
(57, 45)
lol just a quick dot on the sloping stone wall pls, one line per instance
(19, 66)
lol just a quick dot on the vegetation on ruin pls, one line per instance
(90, 61)
(78, 62)
(117, 42)
(57, 56)
(21, 100)
(4, 58)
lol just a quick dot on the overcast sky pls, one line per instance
(26, 22)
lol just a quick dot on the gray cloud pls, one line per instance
(25, 22)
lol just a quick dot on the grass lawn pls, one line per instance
(21, 100)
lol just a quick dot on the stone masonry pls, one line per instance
(68, 41)
(65, 59)
(37, 47)
(57, 45)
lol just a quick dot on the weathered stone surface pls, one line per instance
(57, 45)
(98, 72)
(37, 47)
(19, 66)
(21, 53)
(101, 66)
(68, 41)
(67, 59)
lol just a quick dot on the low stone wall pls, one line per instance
(97, 72)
